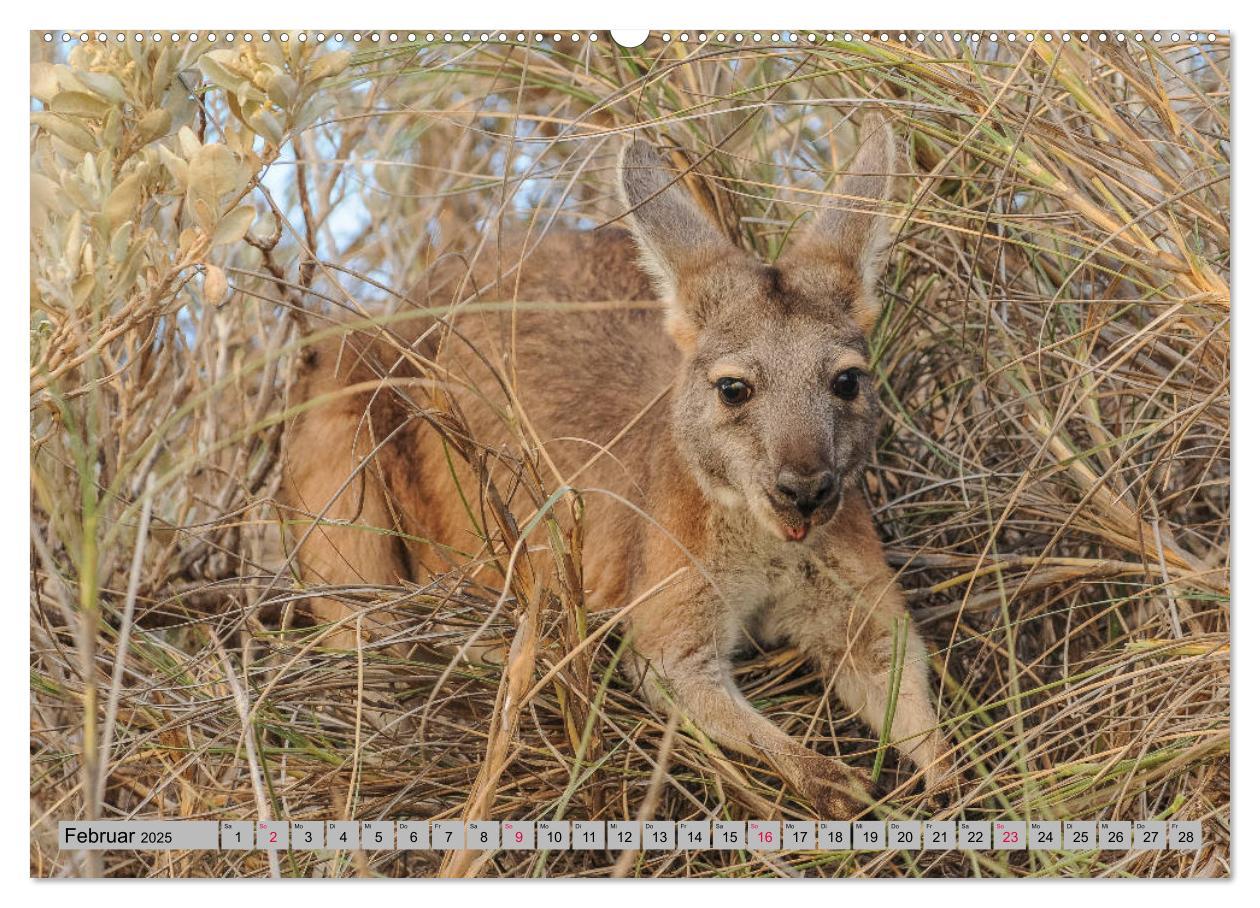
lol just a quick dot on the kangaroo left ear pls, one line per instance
(856, 236)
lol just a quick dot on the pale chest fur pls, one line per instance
(768, 585)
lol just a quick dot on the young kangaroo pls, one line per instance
(727, 507)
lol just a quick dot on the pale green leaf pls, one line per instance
(44, 81)
(215, 71)
(79, 104)
(266, 124)
(120, 242)
(70, 133)
(189, 144)
(204, 215)
(154, 125)
(329, 65)
(233, 226)
(213, 173)
(104, 84)
(124, 200)
(176, 165)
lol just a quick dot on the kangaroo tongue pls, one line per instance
(796, 534)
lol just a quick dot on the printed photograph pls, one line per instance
(685, 454)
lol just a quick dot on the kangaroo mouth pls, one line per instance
(794, 533)
(794, 526)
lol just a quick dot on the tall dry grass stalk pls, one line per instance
(1052, 478)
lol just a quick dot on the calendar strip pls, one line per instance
(633, 835)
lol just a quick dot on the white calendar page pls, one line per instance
(676, 452)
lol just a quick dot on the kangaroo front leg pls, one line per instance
(856, 650)
(689, 666)
(863, 680)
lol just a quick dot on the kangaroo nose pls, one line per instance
(808, 493)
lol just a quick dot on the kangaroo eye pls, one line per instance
(847, 384)
(733, 391)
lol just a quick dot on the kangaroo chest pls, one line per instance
(768, 578)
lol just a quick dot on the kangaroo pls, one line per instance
(726, 511)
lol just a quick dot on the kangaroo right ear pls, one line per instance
(673, 234)
(857, 235)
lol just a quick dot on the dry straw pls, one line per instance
(1052, 477)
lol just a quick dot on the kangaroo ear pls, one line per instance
(856, 234)
(673, 234)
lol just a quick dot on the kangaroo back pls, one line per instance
(563, 332)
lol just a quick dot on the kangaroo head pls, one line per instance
(774, 408)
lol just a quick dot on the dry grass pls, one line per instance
(1052, 478)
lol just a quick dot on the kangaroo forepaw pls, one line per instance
(836, 791)
(937, 764)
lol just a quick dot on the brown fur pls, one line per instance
(706, 474)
